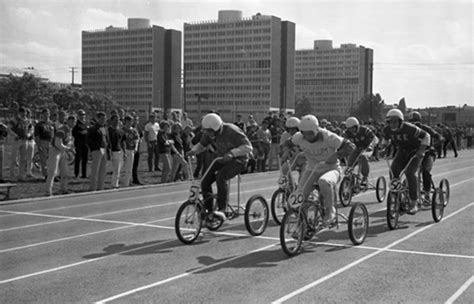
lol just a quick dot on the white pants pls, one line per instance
(127, 167)
(57, 163)
(19, 148)
(117, 163)
(30, 153)
(98, 169)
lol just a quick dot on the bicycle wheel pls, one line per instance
(291, 232)
(437, 205)
(381, 189)
(278, 205)
(444, 189)
(358, 223)
(188, 222)
(345, 191)
(392, 210)
(256, 215)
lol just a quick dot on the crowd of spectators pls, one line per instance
(111, 141)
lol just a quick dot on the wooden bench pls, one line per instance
(5, 190)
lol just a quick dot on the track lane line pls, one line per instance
(357, 262)
(460, 291)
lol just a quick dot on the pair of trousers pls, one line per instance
(399, 162)
(363, 161)
(19, 148)
(449, 143)
(80, 160)
(136, 162)
(127, 167)
(426, 166)
(153, 155)
(2, 155)
(30, 153)
(219, 173)
(43, 150)
(57, 165)
(179, 162)
(166, 170)
(117, 164)
(98, 169)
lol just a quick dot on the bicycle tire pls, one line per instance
(188, 223)
(358, 223)
(345, 191)
(437, 205)
(291, 232)
(445, 191)
(278, 205)
(256, 215)
(393, 213)
(381, 182)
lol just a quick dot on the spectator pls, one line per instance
(264, 142)
(449, 140)
(276, 129)
(164, 149)
(30, 145)
(178, 138)
(44, 135)
(253, 138)
(251, 121)
(240, 123)
(97, 141)
(136, 159)
(57, 159)
(151, 133)
(117, 149)
(186, 121)
(20, 129)
(79, 132)
(3, 136)
(132, 139)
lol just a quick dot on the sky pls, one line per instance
(423, 49)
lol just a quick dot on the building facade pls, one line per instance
(138, 66)
(239, 65)
(333, 79)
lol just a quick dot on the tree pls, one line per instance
(369, 107)
(303, 107)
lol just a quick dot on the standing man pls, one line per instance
(30, 145)
(131, 146)
(80, 142)
(186, 121)
(97, 141)
(3, 136)
(136, 159)
(151, 131)
(21, 129)
(44, 135)
(57, 160)
(117, 147)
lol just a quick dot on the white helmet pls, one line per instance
(395, 113)
(309, 123)
(292, 122)
(212, 121)
(352, 122)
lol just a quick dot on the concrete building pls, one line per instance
(333, 79)
(239, 65)
(139, 66)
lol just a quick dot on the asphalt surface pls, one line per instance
(120, 247)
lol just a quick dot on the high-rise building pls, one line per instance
(139, 66)
(239, 65)
(333, 79)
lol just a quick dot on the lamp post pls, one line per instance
(199, 97)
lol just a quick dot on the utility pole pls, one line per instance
(73, 70)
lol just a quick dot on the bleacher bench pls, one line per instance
(5, 190)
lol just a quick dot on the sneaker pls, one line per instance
(363, 182)
(329, 219)
(221, 215)
(426, 199)
(413, 207)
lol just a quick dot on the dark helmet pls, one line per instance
(414, 116)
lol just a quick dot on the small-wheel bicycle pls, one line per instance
(351, 185)
(192, 214)
(398, 199)
(439, 197)
(304, 219)
(286, 185)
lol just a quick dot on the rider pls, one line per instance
(430, 154)
(365, 141)
(233, 147)
(286, 152)
(410, 141)
(322, 149)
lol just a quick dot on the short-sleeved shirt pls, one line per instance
(44, 130)
(21, 127)
(362, 138)
(408, 137)
(116, 136)
(152, 129)
(131, 138)
(65, 134)
(319, 151)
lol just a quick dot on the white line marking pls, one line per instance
(459, 292)
(179, 276)
(355, 263)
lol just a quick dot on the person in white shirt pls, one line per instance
(151, 131)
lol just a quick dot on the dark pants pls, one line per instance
(426, 166)
(136, 161)
(399, 162)
(153, 155)
(219, 173)
(203, 160)
(80, 159)
(445, 147)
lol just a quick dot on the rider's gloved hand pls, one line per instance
(227, 158)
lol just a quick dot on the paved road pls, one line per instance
(120, 246)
